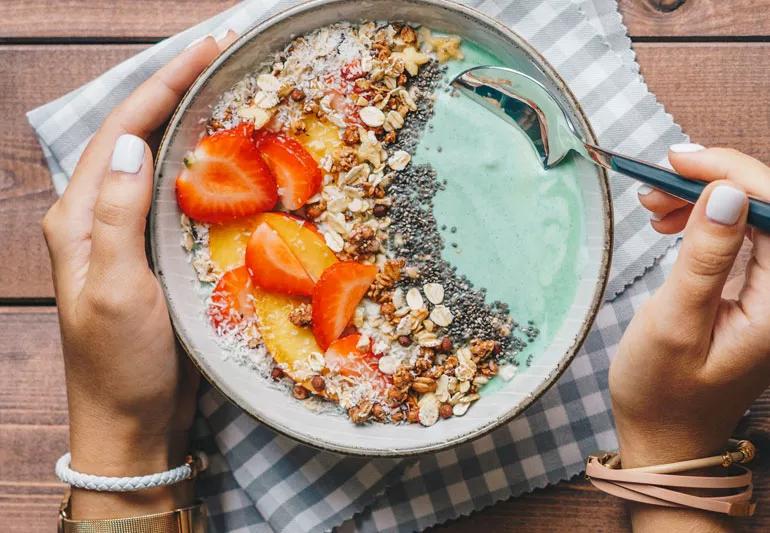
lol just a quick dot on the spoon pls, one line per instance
(525, 102)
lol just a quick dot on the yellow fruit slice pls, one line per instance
(320, 138)
(227, 242)
(287, 343)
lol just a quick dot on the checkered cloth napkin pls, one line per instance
(261, 481)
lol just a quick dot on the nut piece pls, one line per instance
(414, 299)
(318, 383)
(404, 340)
(399, 160)
(441, 316)
(300, 392)
(371, 116)
(446, 345)
(302, 315)
(445, 411)
(359, 414)
(429, 407)
(423, 385)
(277, 373)
(434, 292)
(297, 95)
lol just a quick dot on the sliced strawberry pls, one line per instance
(225, 178)
(232, 301)
(344, 357)
(335, 297)
(273, 266)
(296, 172)
(352, 70)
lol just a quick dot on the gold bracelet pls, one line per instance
(187, 520)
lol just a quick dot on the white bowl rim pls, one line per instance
(593, 307)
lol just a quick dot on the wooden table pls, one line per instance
(708, 61)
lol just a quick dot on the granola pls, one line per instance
(353, 97)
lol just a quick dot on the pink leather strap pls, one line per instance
(650, 489)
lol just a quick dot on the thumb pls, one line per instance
(120, 211)
(712, 240)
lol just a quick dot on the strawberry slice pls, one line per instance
(273, 266)
(295, 170)
(344, 357)
(232, 301)
(335, 297)
(225, 178)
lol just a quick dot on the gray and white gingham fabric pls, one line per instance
(261, 481)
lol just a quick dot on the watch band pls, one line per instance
(191, 519)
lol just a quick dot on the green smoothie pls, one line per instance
(510, 226)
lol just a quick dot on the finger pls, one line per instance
(143, 111)
(658, 202)
(672, 222)
(725, 164)
(712, 239)
(117, 239)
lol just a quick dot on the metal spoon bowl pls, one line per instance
(526, 103)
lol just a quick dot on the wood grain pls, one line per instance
(30, 76)
(33, 434)
(719, 93)
(154, 19)
(696, 18)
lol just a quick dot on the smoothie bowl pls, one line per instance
(358, 256)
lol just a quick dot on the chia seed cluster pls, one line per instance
(415, 234)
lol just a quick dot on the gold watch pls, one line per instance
(187, 520)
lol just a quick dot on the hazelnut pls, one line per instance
(446, 345)
(297, 95)
(380, 210)
(300, 392)
(405, 341)
(401, 80)
(445, 411)
(277, 373)
(316, 210)
(318, 383)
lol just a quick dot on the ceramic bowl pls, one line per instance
(276, 408)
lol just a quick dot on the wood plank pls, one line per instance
(33, 435)
(151, 19)
(712, 18)
(718, 92)
(154, 19)
(30, 76)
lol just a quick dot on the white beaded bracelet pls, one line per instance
(195, 463)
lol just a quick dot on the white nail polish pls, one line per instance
(199, 40)
(686, 148)
(725, 205)
(655, 218)
(643, 189)
(221, 35)
(128, 154)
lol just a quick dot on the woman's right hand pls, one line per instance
(691, 362)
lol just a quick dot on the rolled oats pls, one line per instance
(387, 364)
(459, 409)
(399, 160)
(429, 407)
(372, 116)
(414, 299)
(434, 292)
(393, 121)
(441, 315)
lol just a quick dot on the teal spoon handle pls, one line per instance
(670, 182)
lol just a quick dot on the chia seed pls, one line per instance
(414, 234)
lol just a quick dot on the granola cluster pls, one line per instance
(360, 79)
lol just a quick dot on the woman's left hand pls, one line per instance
(131, 394)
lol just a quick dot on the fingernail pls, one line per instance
(655, 217)
(686, 148)
(221, 35)
(725, 205)
(199, 40)
(128, 154)
(643, 189)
